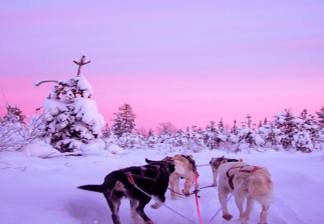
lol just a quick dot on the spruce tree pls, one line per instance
(13, 114)
(320, 115)
(124, 122)
(70, 115)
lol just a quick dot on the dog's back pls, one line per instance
(257, 179)
(260, 185)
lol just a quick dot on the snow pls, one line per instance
(35, 190)
(40, 149)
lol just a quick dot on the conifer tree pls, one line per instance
(320, 115)
(124, 122)
(13, 115)
(70, 115)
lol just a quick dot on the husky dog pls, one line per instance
(185, 167)
(216, 162)
(135, 183)
(245, 181)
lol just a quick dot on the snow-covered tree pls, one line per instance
(70, 115)
(124, 122)
(212, 135)
(286, 123)
(249, 138)
(13, 131)
(192, 139)
(13, 114)
(320, 115)
(307, 135)
(151, 139)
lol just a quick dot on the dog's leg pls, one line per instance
(157, 204)
(114, 201)
(222, 195)
(239, 199)
(160, 199)
(249, 207)
(187, 185)
(133, 205)
(214, 171)
(174, 185)
(140, 210)
(264, 214)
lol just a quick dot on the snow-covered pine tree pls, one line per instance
(233, 134)
(307, 136)
(320, 116)
(211, 136)
(151, 139)
(192, 139)
(70, 115)
(13, 114)
(286, 123)
(12, 129)
(124, 122)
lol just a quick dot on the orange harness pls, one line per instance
(231, 177)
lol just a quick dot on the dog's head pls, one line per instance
(169, 164)
(217, 161)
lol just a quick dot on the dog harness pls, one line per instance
(192, 162)
(240, 169)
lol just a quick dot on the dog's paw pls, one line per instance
(227, 217)
(156, 205)
(149, 222)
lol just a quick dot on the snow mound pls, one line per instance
(115, 149)
(40, 149)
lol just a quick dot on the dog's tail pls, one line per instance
(93, 187)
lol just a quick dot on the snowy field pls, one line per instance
(35, 190)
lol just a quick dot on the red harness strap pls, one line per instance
(231, 177)
(130, 179)
(196, 197)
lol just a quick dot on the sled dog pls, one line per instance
(252, 183)
(152, 178)
(185, 167)
(215, 163)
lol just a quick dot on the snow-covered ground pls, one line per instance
(35, 190)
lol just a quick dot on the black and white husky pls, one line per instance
(132, 182)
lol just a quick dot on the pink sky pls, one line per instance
(186, 62)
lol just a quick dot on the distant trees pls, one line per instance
(286, 131)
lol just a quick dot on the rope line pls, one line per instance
(131, 180)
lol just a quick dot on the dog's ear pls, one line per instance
(148, 161)
(170, 165)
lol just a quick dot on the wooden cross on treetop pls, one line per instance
(81, 63)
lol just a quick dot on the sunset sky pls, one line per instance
(180, 61)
